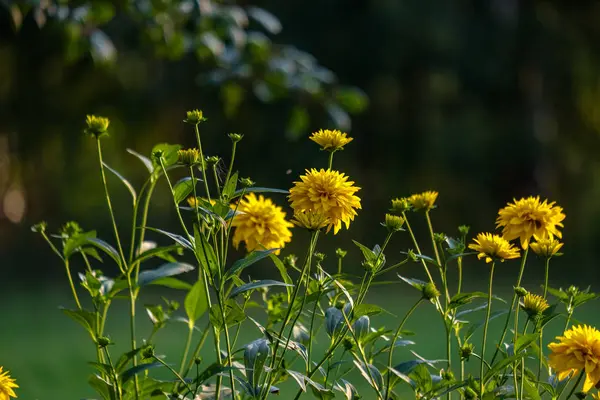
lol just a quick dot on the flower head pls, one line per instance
(188, 157)
(194, 117)
(330, 140)
(577, 350)
(430, 291)
(393, 222)
(493, 247)
(261, 224)
(7, 384)
(423, 201)
(400, 205)
(310, 220)
(329, 193)
(529, 217)
(534, 304)
(546, 247)
(96, 126)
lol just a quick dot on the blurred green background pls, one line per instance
(481, 100)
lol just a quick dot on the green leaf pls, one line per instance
(367, 309)
(247, 261)
(177, 238)
(352, 99)
(416, 283)
(523, 341)
(461, 299)
(195, 303)
(422, 378)
(101, 387)
(125, 182)
(105, 247)
(238, 193)
(211, 371)
(162, 252)
(230, 186)
(284, 275)
(500, 365)
(170, 269)
(125, 359)
(530, 389)
(234, 314)
(182, 189)
(205, 253)
(145, 160)
(84, 318)
(368, 254)
(256, 285)
(172, 283)
(474, 326)
(131, 372)
(74, 243)
(559, 294)
(169, 155)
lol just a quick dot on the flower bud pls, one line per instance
(103, 341)
(247, 182)
(188, 157)
(340, 253)
(465, 351)
(521, 291)
(148, 351)
(368, 265)
(393, 222)
(400, 205)
(157, 156)
(411, 254)
(235, 137)
(534, 305)
(430, 292)
(348, 344)
(194, 117)
(290, 261)
(96, 126)
(448, 375)
(464, 230)
(212, 160)
(439, 237)
(70, 229)
(319, 257)
(198, 360)
(40, 227)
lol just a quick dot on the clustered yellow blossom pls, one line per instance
(534, 304)
(423, 201)
(327, 192)
(577, 350)
(330, 140)
(7, 384)
(546, 247)
(260, 224)
(188, 156)
(493, 247)
(530, 217)
(96, 126)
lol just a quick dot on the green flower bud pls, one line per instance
(430, 292)
(319, 257)
(464, 230)
(40, 227)
(340, 253)
(465, 351)
(340, 304)
(521, 291)
(411, 254)
(148, 351)
(103, 341)
(235, 137)
(290, 261)
(439, 237)
(247, 182)
(194, 117)
(198, 360)
(188, 157)
(470, 393)
(212, 160)
(348, 344)
(393, 222)
(400, 205)
(96, 126)
(368, 265)
(448, 375)
(70, 229)
(157, 156)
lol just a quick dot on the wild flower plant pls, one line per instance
(215, 214)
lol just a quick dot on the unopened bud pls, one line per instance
(103, 341)
(521, 291)
(247, 182)
(393, 222)
(430, 292)
(400, 205)
(340, 253)
(96, 126)
(235, 137)
(194, 117)
(148, 352)
(465, 351)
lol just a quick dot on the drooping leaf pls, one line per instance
(284, 275)
(238, 193)
(105, 247)
(183, 188)
(461, 299)
(148, 276)
(74, 243)
(145, 160)
(247, 261)
(84, 318)
(131, 372)
(177, 238)
(125, 182)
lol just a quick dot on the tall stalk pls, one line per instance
(485, 329)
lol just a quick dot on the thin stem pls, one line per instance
(460, 274)
(485, 329)
(68, 268)
(115, 378)
(197, 349)
(187, 386)
(203, 164)
(576, 384)
(162, 165)
(330, 163)
(187, 347)
(228, 344)
(393, 345)
(435, 249)
(233, 148)
(145, 209)
(541, 341)
(414, 239)
(216, 176)
(310, 331)
(512, 305)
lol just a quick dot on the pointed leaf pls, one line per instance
(125, 182)
(145, 160)
(238, 193)
(247, 261)
(195, 303)
(170, 269)
(131, 372)
(230, 186)
(256, 285)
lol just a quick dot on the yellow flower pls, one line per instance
(529, 217)
(189, 156)
(261, 224)
(400, 205)
(578, 349)
(423, 201)
(596, 396)
(329, 193)
(7, 384)
(534, 304)
(199, 201)
(493, 247)
(310, 220)
(331, 140)
(96, 126)
(546, 247)
(393, 222)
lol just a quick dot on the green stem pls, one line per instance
(393, 345)
(310, 331)
(216, 177)
(460, 274)
(115, 378)
(485, 330)
(233, 148)
(541, 342)
(203, 164)
(414, 240)
(145, 209)
(330, 163)
(576, 384)
(197, 349)
(187, 347)
(187, 386)
(512, 305)
(228, 344)
(68, 268)
(162, 165)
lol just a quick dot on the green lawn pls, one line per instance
(47, 352)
